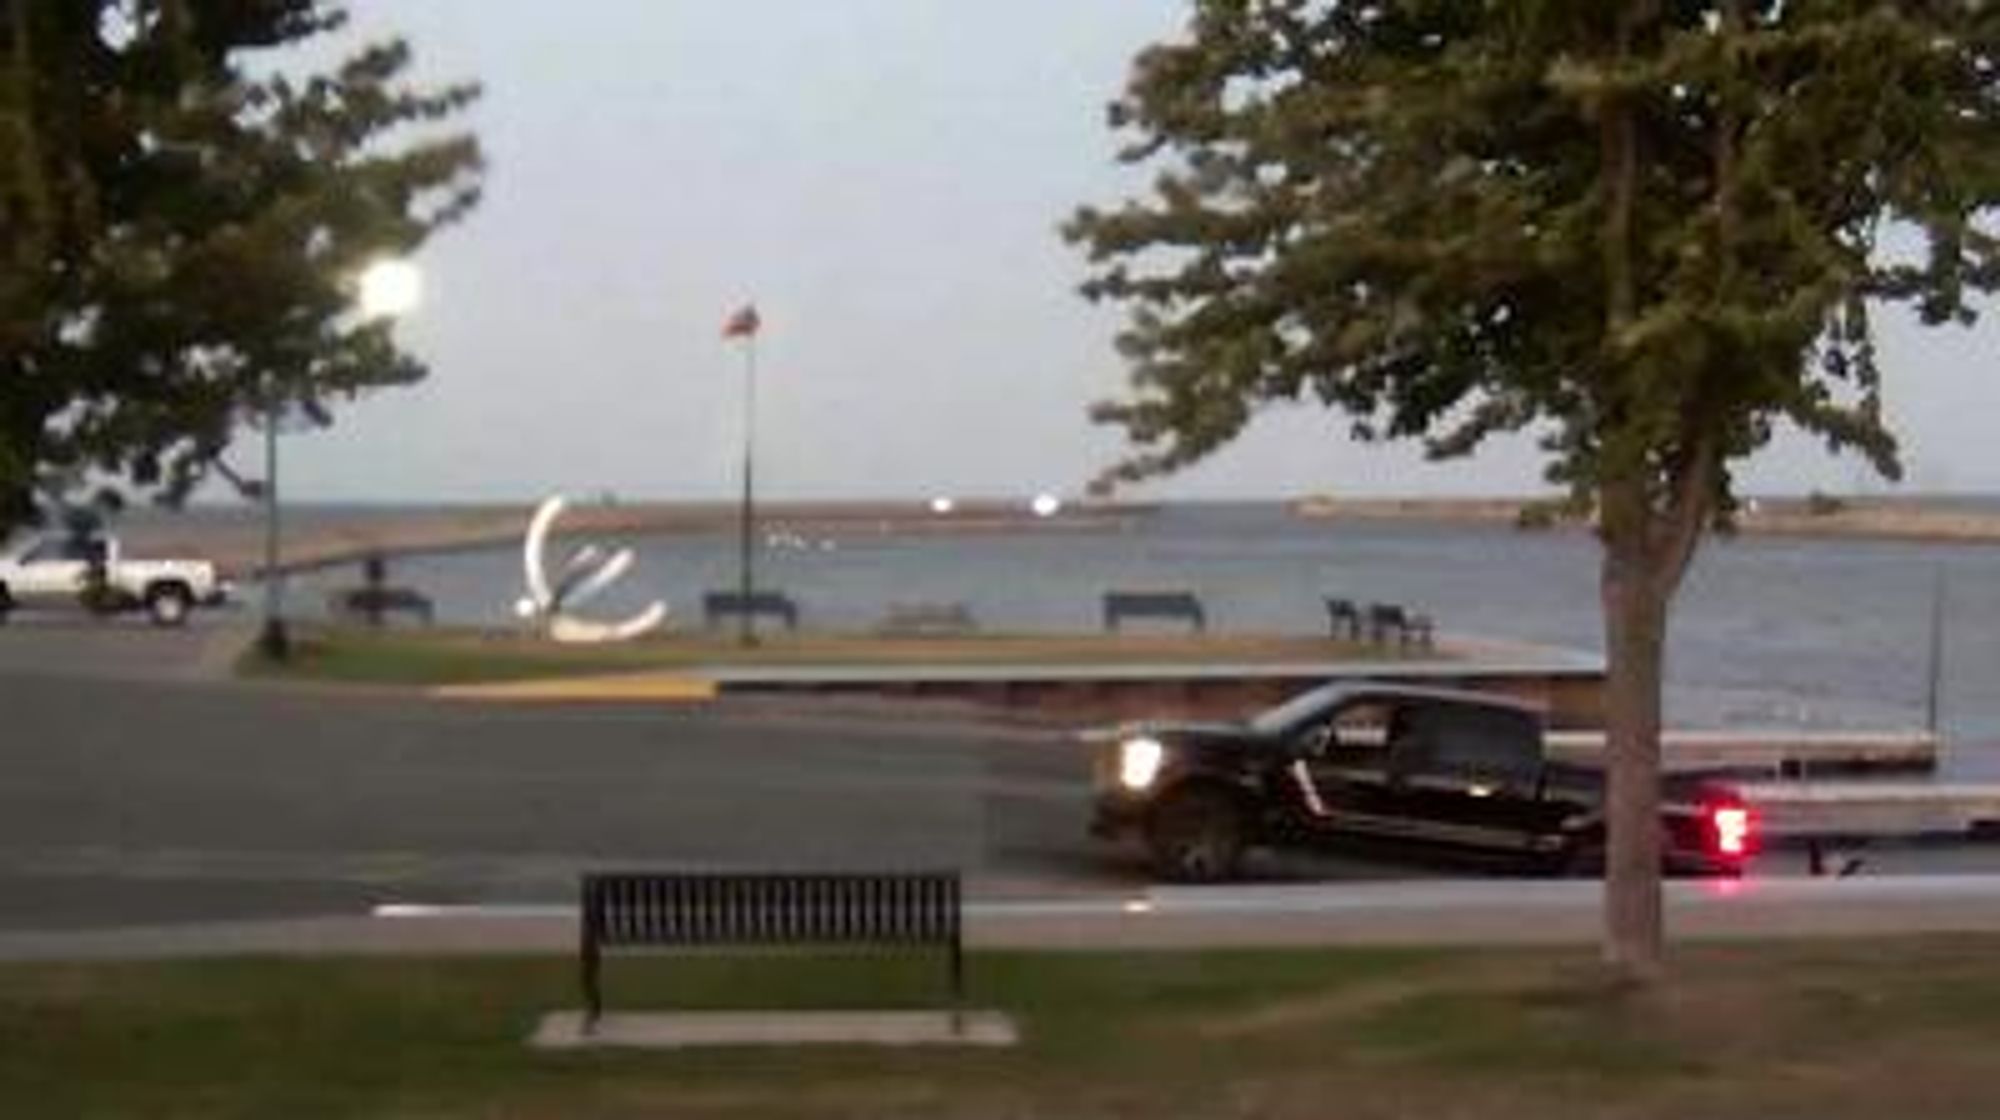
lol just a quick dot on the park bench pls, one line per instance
(1343, 619)
(917, 619)
(898, 909)
(1410, 627)
(374, 605)
(716, 605)
(1121, 605)
(375, 600)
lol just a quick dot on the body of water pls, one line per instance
(1767, 631)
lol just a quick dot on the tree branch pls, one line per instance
(1690, 503)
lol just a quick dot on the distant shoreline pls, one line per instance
(326, 535)
(1916, 519)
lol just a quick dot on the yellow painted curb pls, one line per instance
(645, 687)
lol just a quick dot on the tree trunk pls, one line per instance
(1635, 625)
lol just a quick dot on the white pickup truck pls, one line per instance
(57, 570)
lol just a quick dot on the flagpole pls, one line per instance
(746, 632)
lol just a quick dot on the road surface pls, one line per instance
(138, 787)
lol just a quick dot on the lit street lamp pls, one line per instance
(390, 289)
(386, 290)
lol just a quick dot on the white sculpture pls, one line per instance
(583, 576)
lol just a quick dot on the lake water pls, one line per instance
(1767, 631)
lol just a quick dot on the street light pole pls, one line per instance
(272, 640)
(746, 633)
(742, 327)
(1933, 693)
(386, 290)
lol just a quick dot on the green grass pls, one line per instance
(1903, 1029)
(359, 658)
(445, 656)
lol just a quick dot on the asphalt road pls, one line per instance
(140, 789)
(126, 800)
(71, 644)
(137, 787)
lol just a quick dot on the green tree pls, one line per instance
(182, 219)
(1649, 232)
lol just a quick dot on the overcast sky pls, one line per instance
(883, 178)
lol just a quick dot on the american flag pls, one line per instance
(743, 323)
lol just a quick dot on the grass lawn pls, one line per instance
(1884, 1030)
(444, 656)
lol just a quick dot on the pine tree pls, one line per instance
(1648, 231)
(184, 223)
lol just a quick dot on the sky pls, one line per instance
(884, 179)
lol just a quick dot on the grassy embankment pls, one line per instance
(1900, 1029)
(436, 657)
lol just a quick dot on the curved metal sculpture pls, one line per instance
(582, 576)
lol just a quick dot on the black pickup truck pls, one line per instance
(1408, 768)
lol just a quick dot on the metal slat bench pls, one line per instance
(716, 605)
(699, 909)
(1411, 628)
(1343, 619)
(374, 605)
(1121, 605)
(924, 619)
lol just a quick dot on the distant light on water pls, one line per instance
(1046, 505)
(942, 506)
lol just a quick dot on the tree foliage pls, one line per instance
(1404, 210)
(1650, 232)
(182, 219)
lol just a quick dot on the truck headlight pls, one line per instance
(1139, 762)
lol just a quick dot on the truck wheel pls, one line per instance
(1196, 836)
(6, 604)
(168, 604)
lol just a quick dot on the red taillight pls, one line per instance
(1732, 829)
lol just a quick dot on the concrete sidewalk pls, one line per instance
(571, 1030)
(1456, 912)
